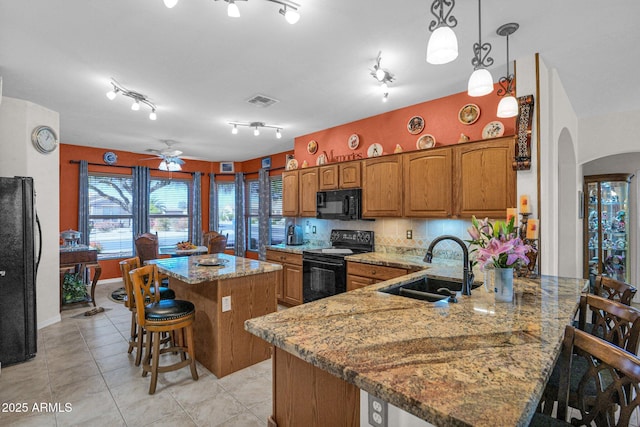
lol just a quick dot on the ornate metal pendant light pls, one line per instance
(508, 105)
(443, 44)
(481, 81)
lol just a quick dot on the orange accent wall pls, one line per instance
(69, 184)
(390, 128)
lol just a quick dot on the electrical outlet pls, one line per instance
(313, 229)
(378, 412)
(409, 234)
(226, 304)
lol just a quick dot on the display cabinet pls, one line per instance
(606, 226)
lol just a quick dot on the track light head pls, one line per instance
(153, 115)
(234, 130)
(232, 9)
(112, 93)
(278, 134)
(290, 14)
(136, 105)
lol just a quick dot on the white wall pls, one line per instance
(18, 157)
(609, 134)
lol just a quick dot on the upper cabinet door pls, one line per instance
(427, 183)
(290, 193)
(307, 193)
(328, 177)
(382, 187)
(350, 176)
(485, 180)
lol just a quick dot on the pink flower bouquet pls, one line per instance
(497, 244)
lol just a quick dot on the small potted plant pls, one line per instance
(73, 288)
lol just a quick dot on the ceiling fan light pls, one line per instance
(232, 10)
(480, 83)
(507, 107)
(163, 166)
(170, 3)
(111, 94)
(174, 167)
(442, 46)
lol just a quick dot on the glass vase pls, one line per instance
(503, 280)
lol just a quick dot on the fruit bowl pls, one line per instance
(185, 246)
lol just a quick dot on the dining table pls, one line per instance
(174, 251)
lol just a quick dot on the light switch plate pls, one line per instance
(226, 304)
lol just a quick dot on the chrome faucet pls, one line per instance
(467, 271)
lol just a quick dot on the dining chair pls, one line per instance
(137, 332)
(214, 241)
(147, 248)
(613, 289)
(172, 316)
(611, 321)
(616, 399)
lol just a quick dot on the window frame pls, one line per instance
(188, 212)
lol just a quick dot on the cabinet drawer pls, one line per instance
(374, 271)
(284, 257)
(77, 257)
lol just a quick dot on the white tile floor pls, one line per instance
(83, 362)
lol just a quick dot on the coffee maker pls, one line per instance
(294, 235)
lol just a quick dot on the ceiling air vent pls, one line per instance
(261, 101)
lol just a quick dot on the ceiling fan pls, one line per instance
(170, 158)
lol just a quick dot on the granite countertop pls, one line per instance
(298, 249)
(188, 270)
(77, 248)
(475, 362)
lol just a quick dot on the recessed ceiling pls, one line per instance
(200, 67)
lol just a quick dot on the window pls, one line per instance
(253, 210)
(276, 221)
(169, 208)
(111, 215)
(227, 211)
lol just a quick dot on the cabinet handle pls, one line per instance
(373, 272)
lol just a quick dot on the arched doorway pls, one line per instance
(569, 225)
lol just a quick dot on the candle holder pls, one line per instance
(529, 270)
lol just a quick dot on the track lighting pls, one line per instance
(290, 14)
(508, 105)
(256, 127)
(170, 3)
(443, 44)
(481, 81)
(136, 96)
(383, 76)
(289, 9)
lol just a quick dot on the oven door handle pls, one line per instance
(323, 263)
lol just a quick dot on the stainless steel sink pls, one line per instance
(427, 289)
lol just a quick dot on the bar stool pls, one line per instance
(616, 290)
(615, 402)
(137, 332)
(172, 316)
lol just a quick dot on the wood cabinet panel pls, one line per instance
(290, 193)
(350, 174)
(357, 282)
(379, 272)
(428, 183)
(382, 187)
(485, 181)
(273, 256)
(328, 177)
(289, 285)
(308, 187)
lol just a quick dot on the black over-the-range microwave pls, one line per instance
(339, 204)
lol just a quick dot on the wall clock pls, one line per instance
(110, 158)
(44, 139)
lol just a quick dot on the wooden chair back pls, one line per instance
(126, 265)
(613, 289)
(143, 279)
(612, 321)
(604, 360)
(147, 247)
(214, 241)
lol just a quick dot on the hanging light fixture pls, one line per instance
(442, 47)
(481, 81)
(256, 127)
(289, 9)
(508, 105)
(383, 76)
(290, 14)
(138, 98)
(170, 3)
(232, 9)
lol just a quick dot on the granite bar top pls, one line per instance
(475, 362)
(190, 270)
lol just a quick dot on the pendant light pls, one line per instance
(443, 44)
(481, 81)
(170, 3)
(232, 9)
(508, 105)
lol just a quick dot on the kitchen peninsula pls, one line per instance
(475, 362)
(226, 290)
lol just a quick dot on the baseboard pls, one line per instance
(114, 280)
(55, 319)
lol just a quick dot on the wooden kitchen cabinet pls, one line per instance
(289, 286)
(290, 193)
(308, 187)
(329, 176)
(340, 176)
(382, 187)
(485, 180)
(428, 183)
(361, 274)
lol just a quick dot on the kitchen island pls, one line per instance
(226, 290)
(475, 362)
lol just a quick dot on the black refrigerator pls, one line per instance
(18, 267)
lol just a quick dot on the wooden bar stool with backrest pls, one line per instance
(215, 242)
(613, 289)
(172, 316)
(147, 248)
(616, 399)
(613, 322)
(137, 333)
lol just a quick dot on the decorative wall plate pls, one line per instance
(312, 147)
(292, 164)
(493, 130)
(426, 141)
(354, 141)
(469, 114)
(374, 150)
(415, 125)
(110, 158)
